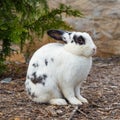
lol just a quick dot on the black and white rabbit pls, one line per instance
(56, 70)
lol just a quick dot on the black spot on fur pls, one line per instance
(29, 91)
(44, 76)
(35, 65)
(52, 59)
(28, 77)
(46, 62)
(34, 78)
(64, 38)
(69, 33)
(41, 79)
(79, 40)
(33, 95)
(34, 75)
(72, 41)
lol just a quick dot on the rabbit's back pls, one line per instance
(44, 57)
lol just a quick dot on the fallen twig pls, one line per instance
(83, 113)
(73, 113)
(75, 110)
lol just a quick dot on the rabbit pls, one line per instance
(57, 70)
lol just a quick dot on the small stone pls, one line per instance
(6, 80)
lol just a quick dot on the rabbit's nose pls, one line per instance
(94, 50)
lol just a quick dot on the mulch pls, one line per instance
(102, 89)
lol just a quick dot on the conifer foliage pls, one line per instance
(18, 18)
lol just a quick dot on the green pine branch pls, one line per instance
(18, 18)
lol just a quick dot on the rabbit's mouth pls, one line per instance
(94, 51)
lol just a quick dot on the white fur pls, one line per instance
(68, 65)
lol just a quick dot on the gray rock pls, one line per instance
(101, 20)
(6, 80)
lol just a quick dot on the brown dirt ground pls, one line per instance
(102, 89)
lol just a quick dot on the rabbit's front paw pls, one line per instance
(58, 101)
(82, 99)
(75, 101)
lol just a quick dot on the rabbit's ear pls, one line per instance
(56, 34)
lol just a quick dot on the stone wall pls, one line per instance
(101, 19)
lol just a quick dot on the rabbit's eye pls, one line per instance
(79, 40)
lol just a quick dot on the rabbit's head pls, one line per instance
(79, 43)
